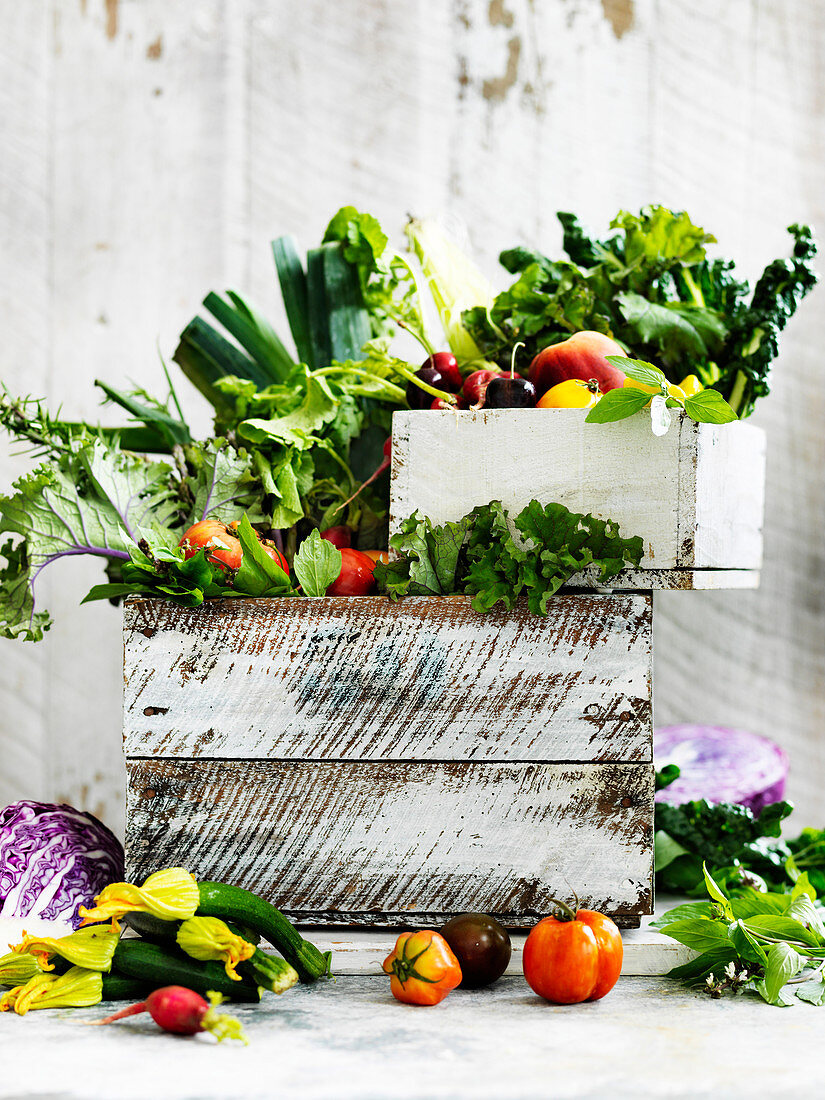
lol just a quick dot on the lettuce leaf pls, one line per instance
(496, 559)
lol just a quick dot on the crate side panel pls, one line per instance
(445, 465)
(336, 840)
(363, 678)
(730, 496)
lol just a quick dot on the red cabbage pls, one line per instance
(721, 765)
(53, 859)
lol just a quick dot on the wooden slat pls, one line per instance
(362, 678)
(383, 842)
(445, 464)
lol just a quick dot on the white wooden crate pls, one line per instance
(358, 761)
(695, 495)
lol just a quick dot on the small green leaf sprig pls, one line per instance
(772, 945)
(706, 407)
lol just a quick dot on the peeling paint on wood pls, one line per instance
(387, 841)
(427, 678)
(695, 495)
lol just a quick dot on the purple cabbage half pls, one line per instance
(721, 765)
(54, 859)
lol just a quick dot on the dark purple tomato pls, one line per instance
(447, 366)
(506, 392)
(481, 945)
(418, 398)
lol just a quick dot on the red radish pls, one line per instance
(447, 366)
(183, 1012)
(355, 578)
(338, 536)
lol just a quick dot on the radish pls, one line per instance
(183, 1012)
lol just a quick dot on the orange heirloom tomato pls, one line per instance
(423, 968)
(573, 393)
(573, 957)
(221, 542)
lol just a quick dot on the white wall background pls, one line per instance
(150, 149)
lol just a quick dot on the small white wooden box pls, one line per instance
(694, 495)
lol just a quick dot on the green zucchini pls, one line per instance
(153, 964)
(118, 988)
(233, 903)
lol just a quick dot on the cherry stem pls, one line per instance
(520, 344)
(419, 336)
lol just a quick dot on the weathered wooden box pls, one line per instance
(358, 761)
(694, 495)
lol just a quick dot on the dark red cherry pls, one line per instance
(446, 364)
(418, 398)
(509, 392)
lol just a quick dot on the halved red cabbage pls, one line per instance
(721, 765)
(53, 859)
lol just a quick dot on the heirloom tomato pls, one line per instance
(573, 956)
(422, 968)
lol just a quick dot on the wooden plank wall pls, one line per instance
(151, 149)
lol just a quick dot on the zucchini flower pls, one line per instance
(91, 948)
(16, 969)
(77, 988)
(171, 894)
(207, 938)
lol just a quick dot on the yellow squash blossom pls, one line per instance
(171, 894)
(77, 988)
(91, 948)
(207, 938)
(15, 969)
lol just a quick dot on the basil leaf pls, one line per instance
(702, 934)
(665, 850)
(682, 912)
(704, 964)
(709, 407)
(317, 564)
(812, 991)
(786, 928)
(258, 574)
(617, 405)
(783, 963)
(716, 893)
(802, 888)
(638, 370)
(746, 944)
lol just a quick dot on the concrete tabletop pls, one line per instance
(348, 1038)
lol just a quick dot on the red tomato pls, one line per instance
(222, 544)
(423, 968)
(338, 536)
(355, 578)
(567, 961)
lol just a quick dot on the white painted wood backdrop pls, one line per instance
(151, 148)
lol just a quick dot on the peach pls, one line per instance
(583, 356)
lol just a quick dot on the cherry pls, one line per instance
(418, 398)
(440, 403)
(476, 383)
(509, 391)
(447, 365)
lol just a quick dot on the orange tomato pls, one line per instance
(422, 968)
(571, 394)
(571, 960)
(222, 544)
(377, 555)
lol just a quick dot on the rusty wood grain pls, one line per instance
(341, 839)
(362, 678)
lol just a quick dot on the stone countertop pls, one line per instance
(348, 1038)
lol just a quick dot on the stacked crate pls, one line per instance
(363, 762)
